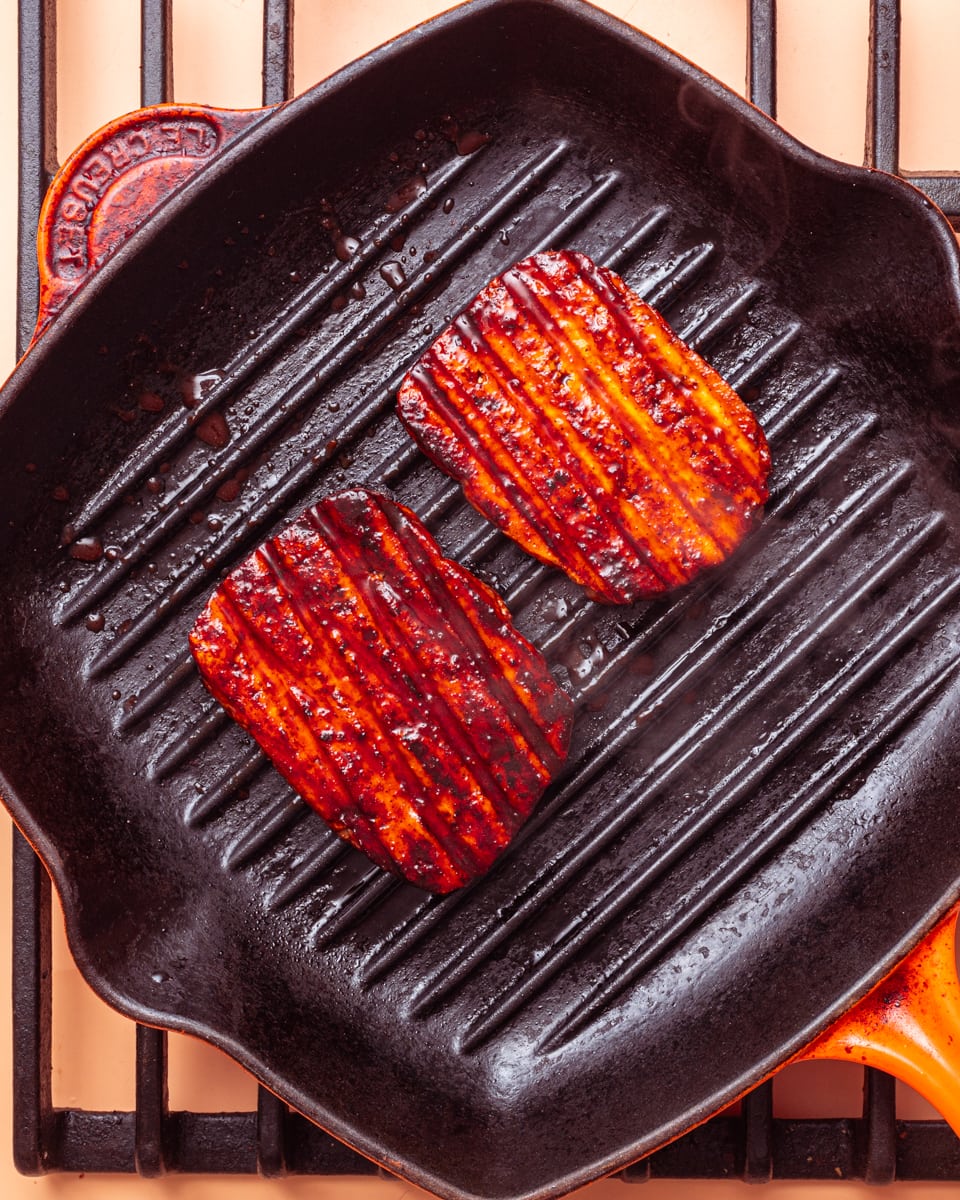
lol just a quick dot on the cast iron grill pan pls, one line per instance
(756, 819)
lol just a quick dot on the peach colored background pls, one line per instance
(822, 46)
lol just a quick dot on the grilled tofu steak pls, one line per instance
(388, 686)
(580, 424)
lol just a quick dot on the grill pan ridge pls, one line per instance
(751, 756)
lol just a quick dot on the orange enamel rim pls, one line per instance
(909, 1024)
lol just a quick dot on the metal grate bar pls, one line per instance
(943, 190)
(38, 148)
(151, 1101)
(883, 110)
(156, 87)
(271, 1114)
(762, 55)
(156, 52)
(883, 87)
(32, 1004)
(277, 50)
(757, 1111)
(92, 1141)
(879, 1127)
(33, 1126)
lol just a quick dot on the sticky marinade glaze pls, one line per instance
(388, 686)
(580, 424)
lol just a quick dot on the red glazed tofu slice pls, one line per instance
(581, 425)
(388, 686)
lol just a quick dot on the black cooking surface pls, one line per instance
(719, 869)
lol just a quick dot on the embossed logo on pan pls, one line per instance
(160, 137)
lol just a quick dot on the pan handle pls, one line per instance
(113, 183)
(909, 1025)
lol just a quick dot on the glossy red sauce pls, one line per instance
(581, 425)
(388, 685)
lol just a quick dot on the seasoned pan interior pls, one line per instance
(756, 819)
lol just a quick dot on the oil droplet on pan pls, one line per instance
(346, 246)
(194, 388)
(583, 657)
(471, 141)
(213, 430)
(87, 549)
(392, 272)
(555, 609)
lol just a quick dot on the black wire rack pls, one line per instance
(753, 1145)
